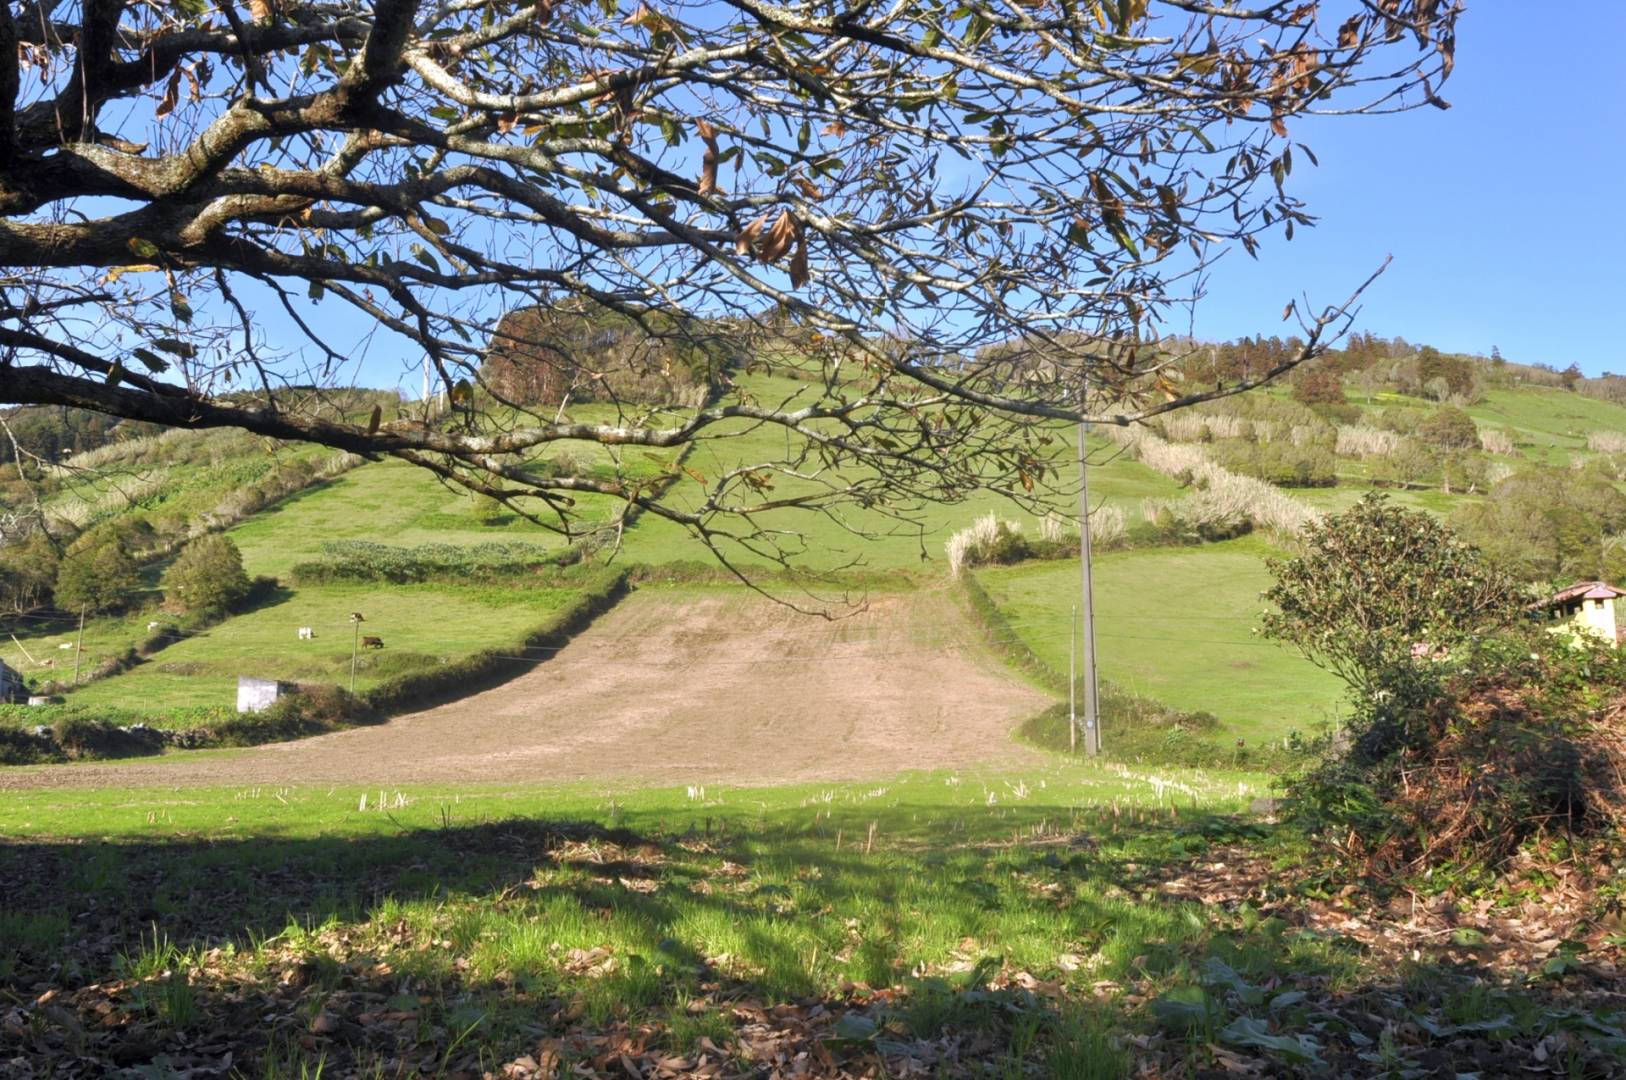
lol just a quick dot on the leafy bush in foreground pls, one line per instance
(1474, 731)
(1525, 738)
(1376, 583)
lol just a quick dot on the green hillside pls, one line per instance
(1175, 616)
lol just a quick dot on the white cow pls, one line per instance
(306, 633)
(152, 626)
(66, 645)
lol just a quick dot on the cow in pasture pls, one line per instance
(66, 645)
(152, 626)
(306, 633)
(370, 642)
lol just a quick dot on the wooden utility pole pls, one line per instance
(1072, 681)
(79, 646)
(355, 646)
(1092, 719)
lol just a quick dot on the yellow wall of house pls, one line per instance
(1594, 619)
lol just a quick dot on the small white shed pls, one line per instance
(257, 695)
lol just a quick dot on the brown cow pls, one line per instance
(372, 642)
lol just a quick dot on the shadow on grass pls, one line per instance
(464, 947)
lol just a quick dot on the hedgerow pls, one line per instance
(364, 560)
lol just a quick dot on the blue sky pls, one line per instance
(1503, 214)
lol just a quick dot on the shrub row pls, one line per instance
(364, 560)
(1265, 506)
(1282, 463)
(71, 733)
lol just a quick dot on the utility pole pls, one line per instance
(1072, 682)
(1092, 719)
(79, 646)
(355, 646)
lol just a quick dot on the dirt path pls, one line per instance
(672, 688)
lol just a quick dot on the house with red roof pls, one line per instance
(1587, 607)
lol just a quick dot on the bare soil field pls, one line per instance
(671, 687)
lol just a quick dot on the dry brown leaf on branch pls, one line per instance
(779, 238)
(798, 262)
(260, 9)
(649, 19)
(1349, 34)
(172, 93)
(544, 12)
(746, 240)
(708, 164)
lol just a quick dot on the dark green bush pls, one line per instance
(19, 747)
(488, 511)
(1546, 524)
(207, 577)
(1142, 730)
(97, 574)
(311, 710)
(83, 736)
(1449, 428)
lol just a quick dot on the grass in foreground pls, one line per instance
(1054, 923)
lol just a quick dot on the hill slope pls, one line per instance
(1174, 619)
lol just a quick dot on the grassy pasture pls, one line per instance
(1548, 426)
(41, 638)
(389, 502)
(181, 474)
(1175, 624)
(1334, 499)
(871, 539)
(421, 626)
(1554, 423)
